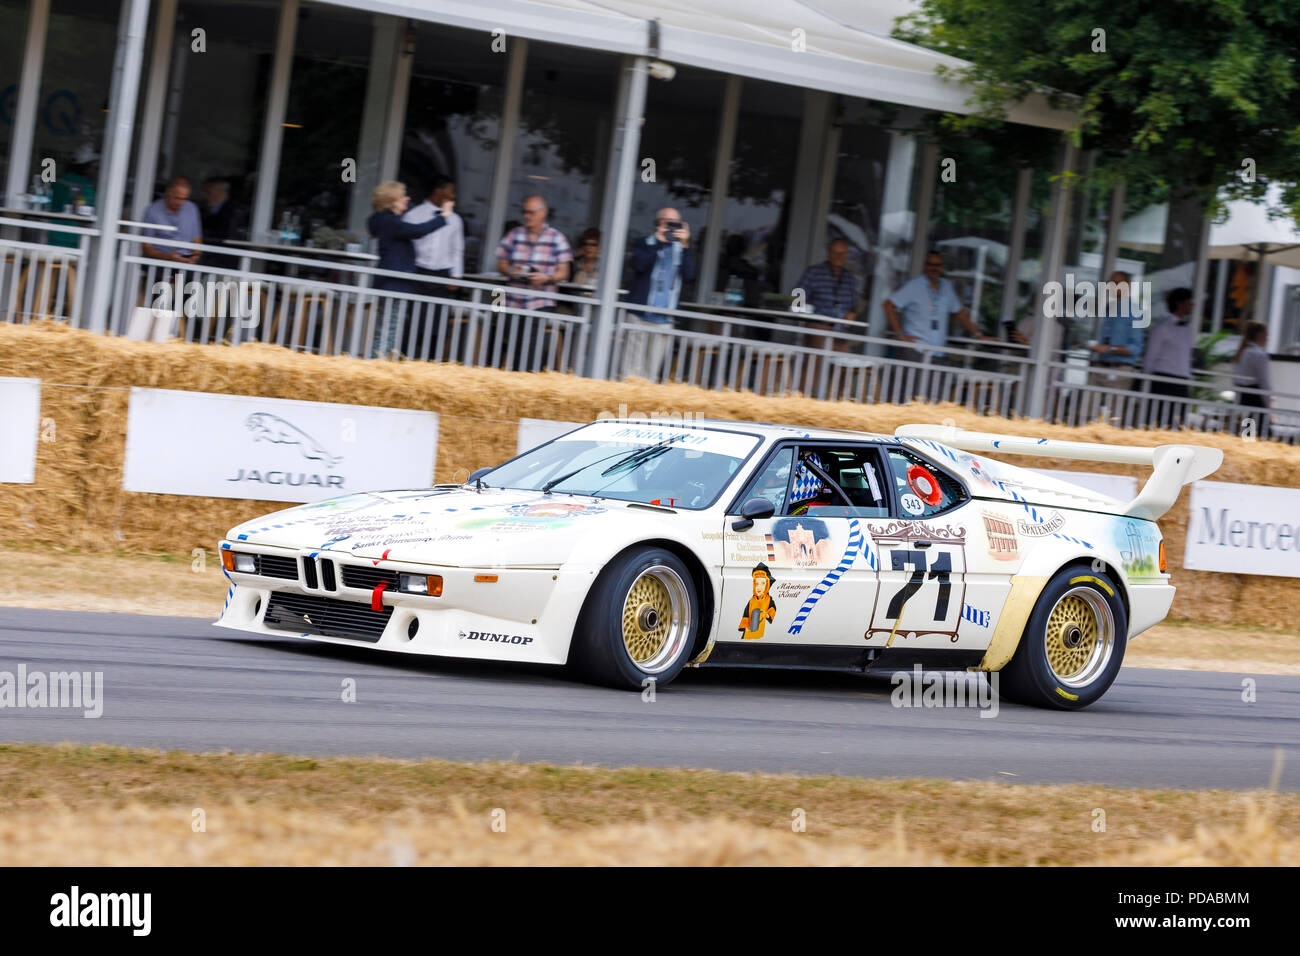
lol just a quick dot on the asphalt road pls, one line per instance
(181, 683)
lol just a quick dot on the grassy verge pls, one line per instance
(89, 805)
(184, 586)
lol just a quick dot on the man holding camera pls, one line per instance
(660, 263)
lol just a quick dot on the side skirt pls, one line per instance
(838, 657)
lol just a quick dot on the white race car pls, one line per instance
(632, 549)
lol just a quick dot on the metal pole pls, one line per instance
(1053, 262)
(117, 157)
(1114, 225)
(717, 218)
(151, 122)
(1220, 294)
(1202, 270)
(277, 102)
(507, 136)
(618, 205)
(29, 90)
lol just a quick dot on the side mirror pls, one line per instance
(476, 475)
(751, 511)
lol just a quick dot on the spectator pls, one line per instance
(442, 252)
(218, 220)
(396, 254)
(1119, 344)
(736, 267)
(535, 256)
(919, 310)
(587, 263)
(1169, 351)
(832, 290)
(1251, 371)
(174, 209)
(660, 263)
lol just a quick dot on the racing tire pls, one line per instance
(639, 622)
(1073, 644)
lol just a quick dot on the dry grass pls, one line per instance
(77, 500)
(118, 583)
(1184, 645)
(77, 805)
(168, 584)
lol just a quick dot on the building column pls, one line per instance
(386, 46)
(277, 102)
(395, 126)
(507, 137)
(804, 199)
(1114, 226)
(717, 218)
(151, 121)
(897, 198)
(924, 206)
(1048, 331)
(117, 156)
(29, 91)
(619, 186)
(1016, 248)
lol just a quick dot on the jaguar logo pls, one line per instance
(274, 429)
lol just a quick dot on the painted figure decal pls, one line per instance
(761, 608)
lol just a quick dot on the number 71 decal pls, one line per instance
(921, 603)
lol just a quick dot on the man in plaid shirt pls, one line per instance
(535, 256)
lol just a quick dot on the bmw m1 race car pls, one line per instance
(629, 550)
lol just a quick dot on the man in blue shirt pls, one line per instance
(920, 309)
(174, 209)
(1119, 344)
(660, 263)
(830, 289)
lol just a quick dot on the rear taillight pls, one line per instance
(1162, 557)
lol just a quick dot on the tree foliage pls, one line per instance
(1173, 95)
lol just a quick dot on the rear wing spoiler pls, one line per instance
(1172, 465)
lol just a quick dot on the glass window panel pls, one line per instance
(212, 127)
(322, 125)
(453, 121)
(762, 180)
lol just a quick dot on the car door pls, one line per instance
(926, 593)
(801, 579)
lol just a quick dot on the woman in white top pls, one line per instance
(1251, 371)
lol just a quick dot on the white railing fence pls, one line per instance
(448, 320)
(42, 280)
(330, 308)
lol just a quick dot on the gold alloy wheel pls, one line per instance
(656, 618)
(1080, 636)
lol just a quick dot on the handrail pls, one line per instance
(48, 226)
(361, 270)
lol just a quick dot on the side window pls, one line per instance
(772, 479)
(923, 490)
(858, 490)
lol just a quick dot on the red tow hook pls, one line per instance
(377, 596)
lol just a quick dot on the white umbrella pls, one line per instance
(1248, 233)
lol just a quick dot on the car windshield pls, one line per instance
(676, 467)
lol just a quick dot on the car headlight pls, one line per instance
(238, 561)
(429, 584)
